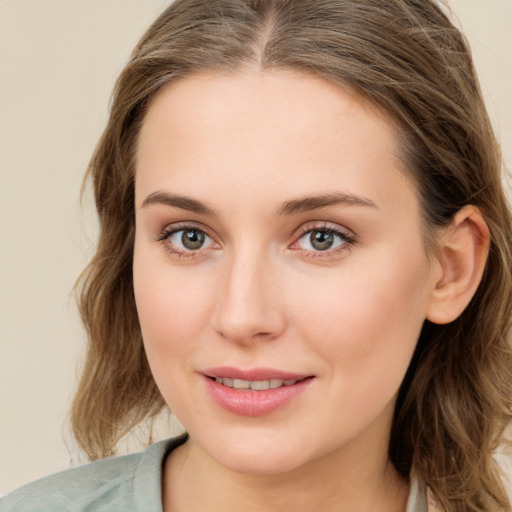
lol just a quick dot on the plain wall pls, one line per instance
(58, 61)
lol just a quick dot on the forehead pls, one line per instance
(258, 128)
(306, 101)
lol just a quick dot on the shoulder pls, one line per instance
(421, 498)
(73, 489)
(120, 483)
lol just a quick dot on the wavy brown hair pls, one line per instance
(405, 57)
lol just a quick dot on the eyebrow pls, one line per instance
(183, 202)
(306, 204)
(292, 207)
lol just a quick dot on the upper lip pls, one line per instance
(253, 374)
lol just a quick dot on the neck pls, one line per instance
(337, 482)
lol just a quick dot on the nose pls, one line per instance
(248, 307)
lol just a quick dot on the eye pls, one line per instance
(325, 239)
(185, 240)
(189, 239)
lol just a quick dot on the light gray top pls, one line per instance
(131, 483)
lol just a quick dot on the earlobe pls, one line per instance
(463, 250)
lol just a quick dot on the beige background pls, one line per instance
(58, 60)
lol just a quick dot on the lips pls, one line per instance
(254, 392)
(254, 374)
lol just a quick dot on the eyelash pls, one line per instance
(346, 238)
(165, 235)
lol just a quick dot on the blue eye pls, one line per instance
(323, 240)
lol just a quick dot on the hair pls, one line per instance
(406, 58)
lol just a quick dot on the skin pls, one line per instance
(258, 294)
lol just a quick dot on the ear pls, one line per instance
(460, 263)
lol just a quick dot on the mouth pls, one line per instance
(256, 392)
(256, 385)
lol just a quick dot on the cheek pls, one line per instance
(173, 311)
(172, 305)
(367, 320)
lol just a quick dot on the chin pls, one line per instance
(266, 464)
(265, 455)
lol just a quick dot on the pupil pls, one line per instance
(192, 239)
(321, 240)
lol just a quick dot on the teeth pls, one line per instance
(259, 385)
(241, 384)
(255, 385)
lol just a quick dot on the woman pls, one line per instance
(304, 254)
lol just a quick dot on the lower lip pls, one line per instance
(254, 403)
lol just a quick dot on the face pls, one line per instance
(279, 270)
